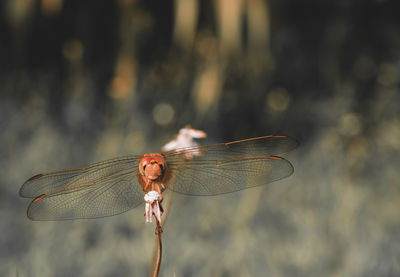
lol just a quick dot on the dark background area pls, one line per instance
(83, 81)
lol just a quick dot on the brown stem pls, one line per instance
(154, 262)
(158, 264)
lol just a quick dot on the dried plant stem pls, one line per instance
(158, 264)
(156, 256)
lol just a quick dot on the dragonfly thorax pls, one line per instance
(152, 166)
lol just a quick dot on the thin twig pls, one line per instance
(158, 264)
(156, 255)
(168, 201)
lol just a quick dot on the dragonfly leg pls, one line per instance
(160, 199)
(157, 189)
(162, 187)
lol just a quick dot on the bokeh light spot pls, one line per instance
(278, 100)
(388, 75)
(350, 124)
(163, 114)
(51, 7)
(358, 149)
(207, 89)
(391, 131)
(72, 50)
(135, 142)
(119, 87)
(124, 81)
(331, 140)
(109, 145)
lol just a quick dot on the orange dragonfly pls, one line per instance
(115, 186)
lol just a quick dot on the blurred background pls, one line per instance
(83, 81)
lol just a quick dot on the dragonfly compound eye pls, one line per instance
(152, 166)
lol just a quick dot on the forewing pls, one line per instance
(267, 145)
(229, 167)
(101, 189)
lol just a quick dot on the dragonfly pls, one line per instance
(117, 185)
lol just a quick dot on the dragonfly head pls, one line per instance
(152, 166)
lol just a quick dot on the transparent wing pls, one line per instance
(229, 167)
(101, 189)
